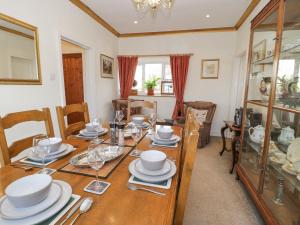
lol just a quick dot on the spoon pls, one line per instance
(134, 188)
(84, 207)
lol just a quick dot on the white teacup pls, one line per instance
(153, 159)
(92, 127)
(138, 120)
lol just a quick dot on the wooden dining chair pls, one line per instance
(12, 119)
(68, 129)
(188, 159)
(140, 104)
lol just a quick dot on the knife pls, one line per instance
(73, 211)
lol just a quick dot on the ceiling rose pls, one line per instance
(154, 5)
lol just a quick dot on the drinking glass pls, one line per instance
(119, 115)
(97, 127)
(136, 133)
(152, 120)
(41, 147)
(96, 160)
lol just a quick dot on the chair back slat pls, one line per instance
(13, 119)
(188, 159)
(142, 104)
(69, 129)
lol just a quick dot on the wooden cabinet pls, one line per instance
(270, 150)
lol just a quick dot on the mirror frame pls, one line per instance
(36, 40)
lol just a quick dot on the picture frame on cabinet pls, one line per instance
(106, 66)
(210, 68)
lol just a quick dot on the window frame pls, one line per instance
(162, 80)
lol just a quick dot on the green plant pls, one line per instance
(152, 82)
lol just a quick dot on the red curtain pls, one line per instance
(127, 67)
(179, 68)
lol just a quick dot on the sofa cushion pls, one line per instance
(200, 115)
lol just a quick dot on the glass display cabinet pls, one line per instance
(269, 160)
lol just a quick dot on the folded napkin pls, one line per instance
(34, 163)
(54, 219)
(164, 184)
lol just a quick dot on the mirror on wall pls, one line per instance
(19, 55)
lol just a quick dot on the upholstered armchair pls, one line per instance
(204, 112)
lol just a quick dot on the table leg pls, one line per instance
(223, 139)
(234, 152)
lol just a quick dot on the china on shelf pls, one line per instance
(265, 88)
(286, 136)
(257, 134)
(293, 153)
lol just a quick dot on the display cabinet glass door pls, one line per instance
(281, 190)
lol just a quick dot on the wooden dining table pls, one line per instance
(118, 205)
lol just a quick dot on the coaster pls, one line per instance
(97, 187)
(162, 145)
(47, 171)
(164, 184)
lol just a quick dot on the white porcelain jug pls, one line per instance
(257, 134)
(287, 135)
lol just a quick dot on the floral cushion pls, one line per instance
(200, 115)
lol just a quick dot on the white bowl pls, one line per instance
(28, 191)
(153, 159)
(165, 132)
(54, 143)
(91, 127)
(138, 120)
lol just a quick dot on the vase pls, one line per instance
(150, 91)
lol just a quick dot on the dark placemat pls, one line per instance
(103, 172)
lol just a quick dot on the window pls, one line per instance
(148, 70)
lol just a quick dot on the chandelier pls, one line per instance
(152, 4)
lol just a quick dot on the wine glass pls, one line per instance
(119, 115)
(136, 133)
(152, 120)
(41, 147)
(97, 128)
(96, 160)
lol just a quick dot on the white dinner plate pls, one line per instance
(164, 141)
(55, 208)
(166, 169)
(86, 133)
(36, 158)
(8, 211)
(289, 169)
(151, 179)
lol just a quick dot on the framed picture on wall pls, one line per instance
(210, 68)
(106, 66)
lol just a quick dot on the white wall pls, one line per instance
(54, 19)
(204, 46)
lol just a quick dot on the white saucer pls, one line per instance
(8, 211)
(151, 179)
(55, 208)
(86, 133)
(173, 138)
(166, 141)
(287, 168)
(166, 169)
(36, 158)
(144, 125)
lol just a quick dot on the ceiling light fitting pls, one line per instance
(152, 4)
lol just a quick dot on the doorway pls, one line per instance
(72, 58)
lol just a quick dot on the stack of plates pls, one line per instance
(62, 151)
(153, 176)
(144, 126)
(59, 195)
(157, 140)
(85, 133)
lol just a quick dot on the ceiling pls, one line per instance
(185, 15)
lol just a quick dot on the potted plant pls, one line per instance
(151, 84)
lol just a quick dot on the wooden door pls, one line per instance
(73, 77)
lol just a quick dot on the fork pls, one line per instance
(134, 188)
